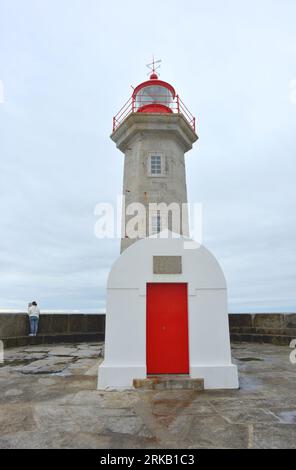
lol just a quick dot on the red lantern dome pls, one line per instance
(154, 96)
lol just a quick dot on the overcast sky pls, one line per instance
(67, 66)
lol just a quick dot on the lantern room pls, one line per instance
(156, 97)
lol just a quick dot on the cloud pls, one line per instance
(67, 68)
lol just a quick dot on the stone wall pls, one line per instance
(53, 328)
(276, 328)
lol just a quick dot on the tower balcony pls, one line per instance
(156, 103)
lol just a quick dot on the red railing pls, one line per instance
(134, 104)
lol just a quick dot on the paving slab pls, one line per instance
(49, 400)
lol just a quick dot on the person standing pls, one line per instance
(33, 313)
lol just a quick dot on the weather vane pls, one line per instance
(154, 65)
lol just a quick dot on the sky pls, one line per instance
(66, 67)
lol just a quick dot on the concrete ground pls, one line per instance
(49, 400)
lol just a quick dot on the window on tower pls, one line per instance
(155, 224)
(155, 165)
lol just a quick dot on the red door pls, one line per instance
(167, 329)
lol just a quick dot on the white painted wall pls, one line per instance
(209, 343)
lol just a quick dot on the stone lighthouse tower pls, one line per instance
(154, 130)
(166, 311)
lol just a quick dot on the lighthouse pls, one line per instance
(166, 311)
(154, 130)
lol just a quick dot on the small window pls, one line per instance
(155, 224)
(155, 165)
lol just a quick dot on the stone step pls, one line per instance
(169, 382)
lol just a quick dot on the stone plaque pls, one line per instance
(167, 264)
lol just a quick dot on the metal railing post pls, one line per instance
(178, 105)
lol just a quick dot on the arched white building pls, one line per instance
(167, 314)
